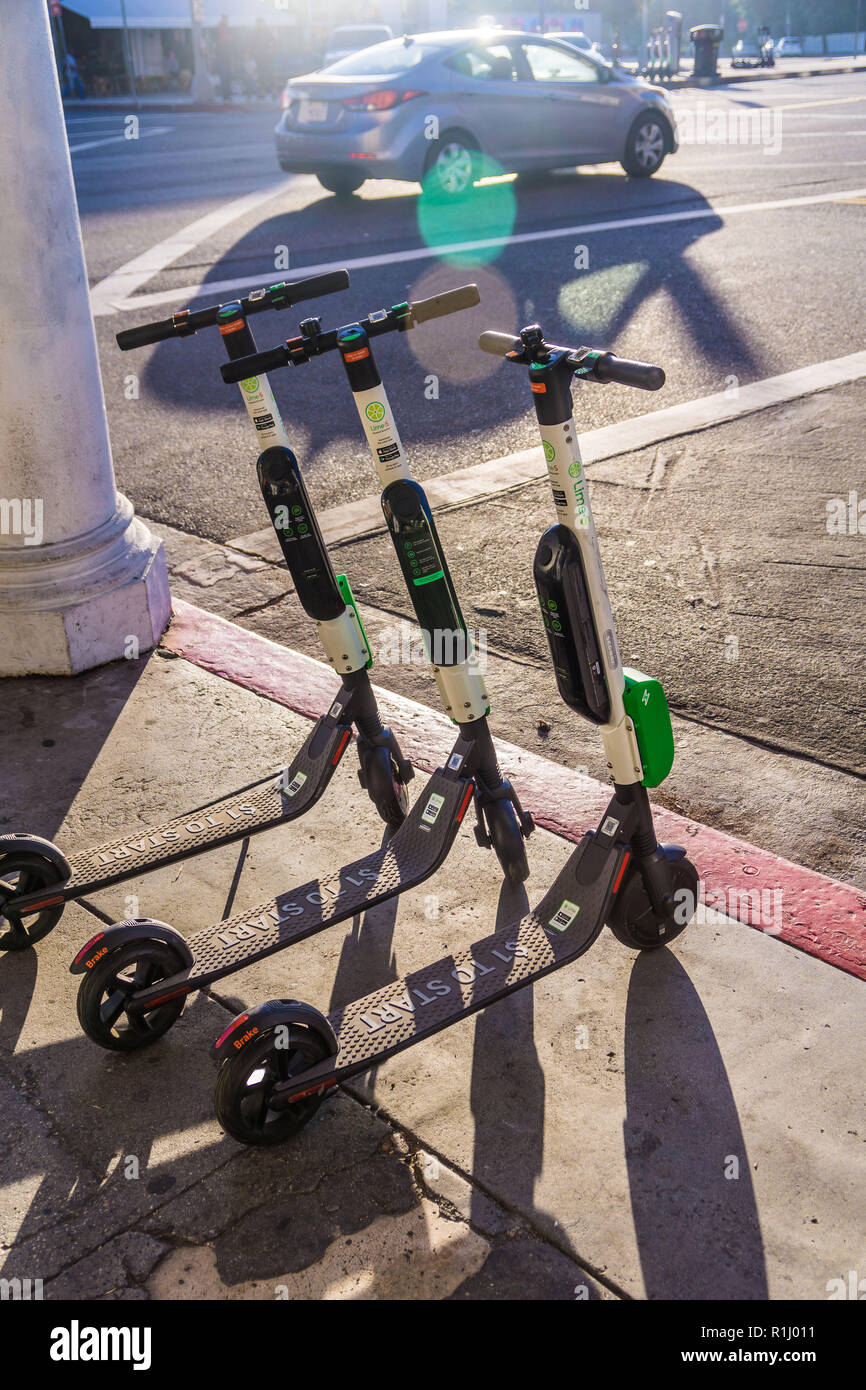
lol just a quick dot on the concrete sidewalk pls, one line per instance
(676, 1126)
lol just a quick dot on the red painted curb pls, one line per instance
(808, 910)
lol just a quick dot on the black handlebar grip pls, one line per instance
(641, 374)
(256, 362)
(329, 283)
(145, 334)
(498, 344)
(449, 302)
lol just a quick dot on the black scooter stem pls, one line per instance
(412, 854)
(562, 927)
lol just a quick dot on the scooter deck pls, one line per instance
(268, 803)
(562, 927)
(412, 854)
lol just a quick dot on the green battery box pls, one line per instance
(647, 708)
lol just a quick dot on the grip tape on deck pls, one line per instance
(267, 803)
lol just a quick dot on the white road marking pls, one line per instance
(466, 485)
(113, 139)
(111, 295)
(113, 292)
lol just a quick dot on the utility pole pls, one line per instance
(82, 581)
(202, 88)
(127, 55)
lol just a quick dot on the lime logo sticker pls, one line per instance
(375, 411)
(574, 470)
(563, 919)
(549, 452)
(250, 384)
(296, 783)
(431, 810)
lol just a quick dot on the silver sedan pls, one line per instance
(427, 107)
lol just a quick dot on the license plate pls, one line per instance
(312, 112)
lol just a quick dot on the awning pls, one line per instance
(175, 14)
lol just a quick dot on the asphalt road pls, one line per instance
(711, 297)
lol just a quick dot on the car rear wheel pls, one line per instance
(343, 184)
(451, 166)
(645, 147)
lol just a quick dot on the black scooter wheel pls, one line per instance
(632, 919)
(243, 1098)
(503, 827)
(388, 793)
(104, 991)
(26, 873)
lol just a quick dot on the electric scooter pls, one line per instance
(280, 1059)
(500, 819)
(36, 878)
(138, 974)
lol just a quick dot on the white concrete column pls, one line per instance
(82, 581)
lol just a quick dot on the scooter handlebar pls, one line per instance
(145, 334)
(449, 302)
(329, 283)
(258, 362)
(641, 374)
(498, 344)
(606, 366)
(280, 296)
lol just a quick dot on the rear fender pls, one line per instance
(133, 929)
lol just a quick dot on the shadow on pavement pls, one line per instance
(694, 1206)
(594, 301)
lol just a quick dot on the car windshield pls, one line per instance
(384, 60)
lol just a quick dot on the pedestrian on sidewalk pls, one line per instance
(73, 87)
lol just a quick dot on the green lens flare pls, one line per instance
(466, 199)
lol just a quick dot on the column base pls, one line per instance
(80, 603)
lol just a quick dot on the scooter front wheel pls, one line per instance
(244, 1099)
(633, 920)
(104, 993)
(26, 873)
(385, 787)
(507, 839)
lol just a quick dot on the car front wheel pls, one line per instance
(645, 147)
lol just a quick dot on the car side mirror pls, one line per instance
(604, 74)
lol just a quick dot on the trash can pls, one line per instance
(706, 39)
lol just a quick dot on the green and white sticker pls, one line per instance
(432, 809)
(296, 783)
(375, 411)
(250, 384)
(549, 452)
(562, 920)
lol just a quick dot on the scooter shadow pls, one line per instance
(561, 295)
(53, 731)
(693, 1203)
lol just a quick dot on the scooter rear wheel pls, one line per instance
(632, 919)
(102, 996)
(26, 873)
(245, 1084)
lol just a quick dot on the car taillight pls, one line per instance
(379, 101)
(285, 99)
